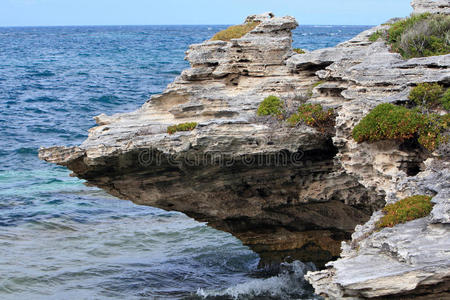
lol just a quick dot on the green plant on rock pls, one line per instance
(427, 94)
(430, 95)
(313, 115)
(397, 29)
(234, 32)
(420, 35)
(181, 127)
(392, 122)
(445, 100)
(299, 50)
(310, 90)
(271, 106)
(388, 122)
(375, 36)
(431, 134)
(405, 210)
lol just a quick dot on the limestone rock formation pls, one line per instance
(276, 188)
(285, 192)
(406, 261)
(431, 6)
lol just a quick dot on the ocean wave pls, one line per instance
(35, 110)
(27, 151)
(41, 99)
(45, 73)
(49, 101)
(105, 99)
(289, 284)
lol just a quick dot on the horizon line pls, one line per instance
(111, 25)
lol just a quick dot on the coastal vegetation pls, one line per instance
(235, 31)
(181, 127)
(391, 122)
(299, 50)
(445, 100)
(420, 35)
(310, 90)
(430, 95)
(405, 210)
(375, 36)
(313, 115)
(271, 106)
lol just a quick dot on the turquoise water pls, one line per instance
(62, 240)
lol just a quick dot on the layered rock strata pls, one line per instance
(285, 192)
(276, 188)
(431, 6)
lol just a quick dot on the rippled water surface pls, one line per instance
(62, 240)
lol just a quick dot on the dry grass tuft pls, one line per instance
(234, 32)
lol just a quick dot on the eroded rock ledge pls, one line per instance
(276, 188)
(285, 192)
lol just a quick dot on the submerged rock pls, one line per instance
(288, 193)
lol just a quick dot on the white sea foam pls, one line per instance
(289, 284)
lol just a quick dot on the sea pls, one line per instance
(60, 239)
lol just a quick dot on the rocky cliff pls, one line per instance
(286, 191)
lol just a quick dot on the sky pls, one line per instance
(187, 12)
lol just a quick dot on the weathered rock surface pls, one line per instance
(274, 187)
(412, 259)
(286, 192)
(431, 6)
(408, 260)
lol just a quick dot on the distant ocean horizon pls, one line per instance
(60, 239)
(182, 25)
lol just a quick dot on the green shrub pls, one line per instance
(388, 122)
(234, 32)
(420, 35)
(405, 210)
(271, 106)
(181, 127)
(430, 95)
(397, 29)
(431, 135)
(375, 36)
(427, 94)
(299, 50)
(391, 122)
(313, 115)
(445, 100)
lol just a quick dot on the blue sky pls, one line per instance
(149, 12)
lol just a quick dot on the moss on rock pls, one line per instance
(299, 51)
(181, 127)
(405, 210)
(234, 32)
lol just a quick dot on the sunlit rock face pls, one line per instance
(431, 6)
(287, 192)
(276, 188)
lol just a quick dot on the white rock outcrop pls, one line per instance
(431, 6)
(316, 187)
